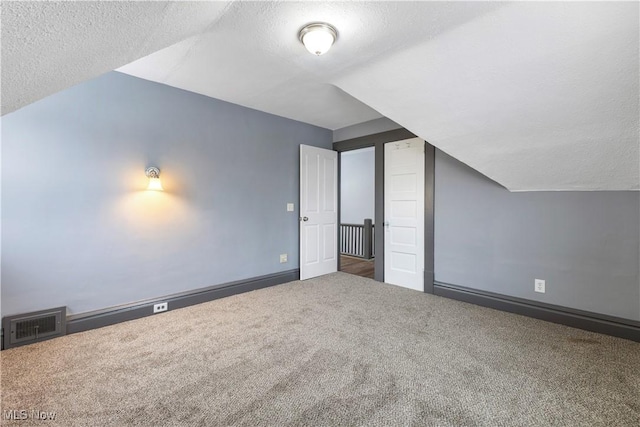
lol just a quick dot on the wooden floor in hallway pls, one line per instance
(358, 266)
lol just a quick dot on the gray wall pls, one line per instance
(367, 128)
(357, 179)
(78, 227)
(584, 244)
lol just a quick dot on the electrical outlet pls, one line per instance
(283, 258)
(289, 207)
(163, 306)
(539, 285)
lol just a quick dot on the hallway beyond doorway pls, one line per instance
(357, 266)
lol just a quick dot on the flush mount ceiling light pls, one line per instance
(318, 37)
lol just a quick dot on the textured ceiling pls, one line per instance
(537, 96)
(50, 46)
(252, 55)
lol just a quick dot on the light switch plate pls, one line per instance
(289, 207)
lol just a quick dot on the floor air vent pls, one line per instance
(33, 327)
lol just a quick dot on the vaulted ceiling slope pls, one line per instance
(537, 96)
(50, 46)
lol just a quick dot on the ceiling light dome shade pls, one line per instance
(318, 37)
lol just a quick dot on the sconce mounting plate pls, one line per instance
(152, 172)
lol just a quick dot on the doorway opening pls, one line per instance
(357, 212)
(381, 233)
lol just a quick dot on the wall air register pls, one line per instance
(29, 328)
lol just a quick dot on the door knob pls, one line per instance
(304, 219)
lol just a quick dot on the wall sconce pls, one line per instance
(154, 179)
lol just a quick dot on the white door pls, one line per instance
(318, 211)
(404, 213)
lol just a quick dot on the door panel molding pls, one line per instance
(404, 213)
(318, 211)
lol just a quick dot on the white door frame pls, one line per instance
(378, 140)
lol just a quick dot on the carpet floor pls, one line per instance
(337, 350)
